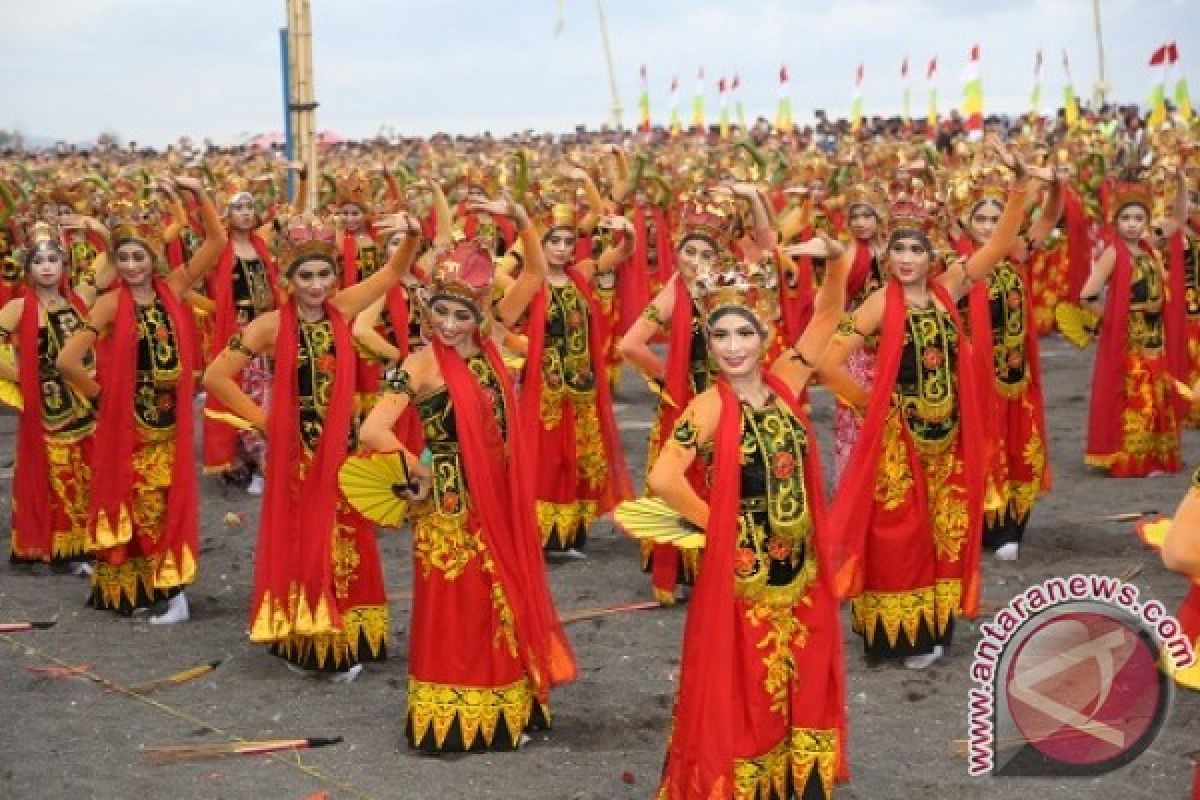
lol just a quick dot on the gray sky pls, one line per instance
(151, 70)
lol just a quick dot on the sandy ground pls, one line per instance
(69, 738)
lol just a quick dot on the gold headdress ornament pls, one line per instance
(968, 187)
(711, 214)
(745, 286)
(40, 235)
(307, 238)
(553, 206)
(464, 273)
(867, 193)
(482, 175)
(1132, 193)
(353, 189)
(134, 218)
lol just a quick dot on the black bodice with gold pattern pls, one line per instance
(774, 560)
(1145, 303)
(566, 354)
(81, 253)
(927, 384)
(158, 368)
(316, 363)
(252, 293)
(701, 370)
(774, 552)
(62, 410)
(1191, 277)
(441, 431)
(412, 325)
(368, 259)
(1007, 296)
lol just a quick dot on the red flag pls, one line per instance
(642, 72)
(783, 74)
(975, 52)
(1037, 62)
(721, 85)
(858, 76)
(1160, 57)
(1172, 53)
(904, 68)
(736, 82)
(931, 69)
(674, 83)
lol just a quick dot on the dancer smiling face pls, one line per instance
(737, 342)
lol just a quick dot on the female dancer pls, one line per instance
(1133, 424)
(765, 718)
(485, 644)
(565, 401)
(1019, 468)
(54, 438)
(242, 288)
(706, 234)
(318, 598)
(910, 500)
(142, 517)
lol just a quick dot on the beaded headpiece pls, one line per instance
(40, 236)
(307, 238)
(869, 194)
(710, 214)
(463, 273)
(353, 189)
(748, 286)
(1131, 193)
(132, 218)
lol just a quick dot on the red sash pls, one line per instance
(294, 549)
(852, 507)
(112, 462)
(700, 758)
(618, 487)
(31, 512)
(508, 523)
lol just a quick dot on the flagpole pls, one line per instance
(1100, 92)
(612, 75)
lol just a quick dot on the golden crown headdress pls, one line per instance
(134, 218)
(307, 238)
(353, 189)
(866, 193)
(969, 187)
(1131, 193)
(746, 285)
(710, 213)
(464, 273)
(38, 236)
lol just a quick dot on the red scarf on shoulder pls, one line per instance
(1079, 243)
(618, 487)
(31, 512)
(850, 514)
(294, 549)
(112, 461)
(507, 521)
(219, 438)
(700, 758)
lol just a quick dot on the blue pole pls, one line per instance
(289, 144)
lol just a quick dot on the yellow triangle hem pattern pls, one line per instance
(477, 710)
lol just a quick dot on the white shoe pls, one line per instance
(575, 555)
(1008, 552)
(348, 676)
(81, 568)
(921, 662)
(177, 611)
(256, 485)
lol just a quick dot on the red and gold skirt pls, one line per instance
(912, 570)
(573, 468)
(69, 472)
(1149, 427)
(467, 686)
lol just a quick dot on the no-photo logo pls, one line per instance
(1073, 688)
